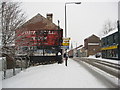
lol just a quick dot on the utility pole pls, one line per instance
(118, 24)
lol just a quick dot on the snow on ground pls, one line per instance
(0, 73)
(9, 72)
(0, 80)
(54, 76)
(109, 60)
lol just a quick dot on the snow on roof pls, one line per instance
(110, 33)
(93, 35)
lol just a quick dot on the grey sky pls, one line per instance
(82, 20)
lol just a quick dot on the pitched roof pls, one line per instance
(111, 32)
(92, 36)
(39, 22)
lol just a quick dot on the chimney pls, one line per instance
(49, 16)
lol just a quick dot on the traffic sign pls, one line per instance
(65, 41)
(66, 38)
(65, 44)
(65, 47)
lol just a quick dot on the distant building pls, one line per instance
(75, 52)
(110, 45)
(92, 45)
(70, 53)
(82, 52)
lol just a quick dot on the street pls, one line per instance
(75, 75)
(109, 67)
(101, 72)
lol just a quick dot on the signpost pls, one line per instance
(66, 46)
(66, 43)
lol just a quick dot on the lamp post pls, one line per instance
(66, 15)
(66, 22)
(118, 24)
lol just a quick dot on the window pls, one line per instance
(24, 48)
(103, 42)
(116, 38)
(110, 40)
(106, 41)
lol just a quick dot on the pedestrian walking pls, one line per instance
(66, 58)
(59, 58)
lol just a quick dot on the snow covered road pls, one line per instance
(55, 76)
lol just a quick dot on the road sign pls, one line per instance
(65, 47)
(65, 41)
(65, 44)
(66, 38)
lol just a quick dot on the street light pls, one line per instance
(66, 15)
(118, 25)
(66, 22)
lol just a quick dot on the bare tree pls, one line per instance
(108, 26)
(11, 17)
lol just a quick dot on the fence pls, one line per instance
(7, 73)
(3, 66)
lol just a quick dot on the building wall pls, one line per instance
(70, 53)
(92, 45)
(82, 52)
(36, 33)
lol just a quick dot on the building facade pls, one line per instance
(40, 39)
(82, 52)
(110, 45)
(37, 33)
(92, 45)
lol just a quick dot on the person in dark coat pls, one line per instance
(59, 57)
(66, 58)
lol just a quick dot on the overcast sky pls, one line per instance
(83, 20)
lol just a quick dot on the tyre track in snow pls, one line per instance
(106, 68)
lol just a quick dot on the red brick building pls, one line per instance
(92, 45)
(37, 33)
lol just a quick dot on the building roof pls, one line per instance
(38, 22)
(91, 36)
(114, 31)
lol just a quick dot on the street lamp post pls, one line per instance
(118, 22)
(66, 15)
(66, 22)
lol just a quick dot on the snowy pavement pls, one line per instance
(55, 76)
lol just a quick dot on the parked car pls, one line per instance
(98, 55)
